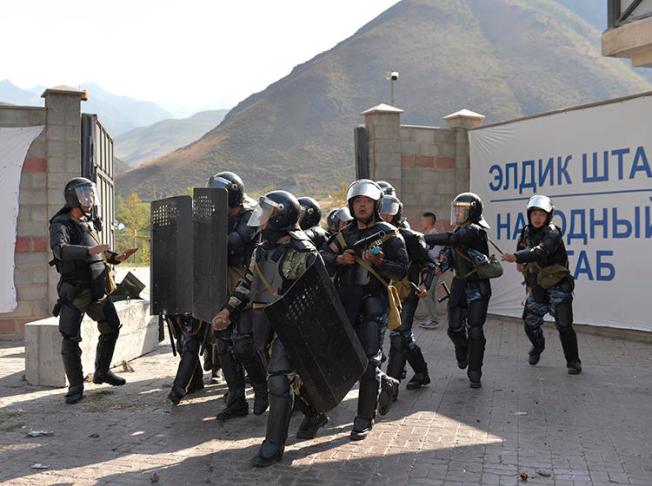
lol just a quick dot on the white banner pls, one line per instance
(595, 163)
(14, 143)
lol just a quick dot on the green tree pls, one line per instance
(133, 213)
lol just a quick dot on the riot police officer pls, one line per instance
(284, 255)
(542, 256)
(83, 263)
(470, 294)
(337, 219)
(421, 271)
(236, 346)
(358, 273)
(310, 219)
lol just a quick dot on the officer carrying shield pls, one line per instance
(541, 255)
(361, 276)
(470, 294)
(284, 255)
(83, 264)
(237, 346)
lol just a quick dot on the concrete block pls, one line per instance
(55, 196)
(56, 117)
(31, 197)
(56, 148)
(39, 146)
(31, 291)
(32, 228)
(43, 366)
(429, 149)
(56, 132)
(447, 150)
(38, 213)
(424, 135)
(73, 133)
(40, 275)
(56, 164)
(73, 161)
(443, 135)
(31, 260)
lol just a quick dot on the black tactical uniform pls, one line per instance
(543, 250)
(365, 299)
(285, 254)
(82, 289)
(421, 270)
(190, 334)
(236, 346)
(469, 299)
(403, 346)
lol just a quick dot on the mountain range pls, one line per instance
(502, 58)
(148, 142)
(118, 114)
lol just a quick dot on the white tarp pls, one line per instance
(595, 163)
(14, 143)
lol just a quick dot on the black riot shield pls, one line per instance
(313, 326)
(171, 256)
(210, 239)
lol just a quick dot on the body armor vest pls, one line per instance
(269, 264)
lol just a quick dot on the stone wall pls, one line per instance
(53, 158)
(427, 165)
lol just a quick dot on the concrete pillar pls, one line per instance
(461, 121)
(383, 124)
(63, 142)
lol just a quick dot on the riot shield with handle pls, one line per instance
(171, 268)
(312, 324)
(210, 240)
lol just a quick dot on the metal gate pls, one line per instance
(97, 165)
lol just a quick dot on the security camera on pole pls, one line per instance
(391, 77)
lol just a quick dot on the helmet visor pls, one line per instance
(364, 187)
(460, 212)
(87, 196)
(263, 212)
(390, 206)
(220, 183)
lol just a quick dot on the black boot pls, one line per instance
(103, 356)
(477, 344)
(261, 400)
(75, 394)
(197, 381)
(367, 403)
(569, 345)
(460, 342)
(420, 367)
(388, 393)
(236, 403)
(397, 357)
(538, 345)
(71, 356)
(361, 428)
(278, 422)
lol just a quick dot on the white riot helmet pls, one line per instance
(541, 202)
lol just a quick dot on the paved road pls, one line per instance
(595, 428)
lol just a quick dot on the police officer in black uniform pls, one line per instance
(541, 254)
(237, 346)
(337, 219)
(83, 264)
(469, 299)
(363, 295)
(285, 254)
(310, 219)
(421, 272)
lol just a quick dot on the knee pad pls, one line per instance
(476, 333)
(278, 385)
(70, 347)
(564, 314)
(244, 345)
(478, 312)
(70, 320)
(111, 315)
(397, 343)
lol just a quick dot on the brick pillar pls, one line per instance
(63, 137)
(461, 121)
(383, 123)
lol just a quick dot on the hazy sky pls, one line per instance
(188, 54)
